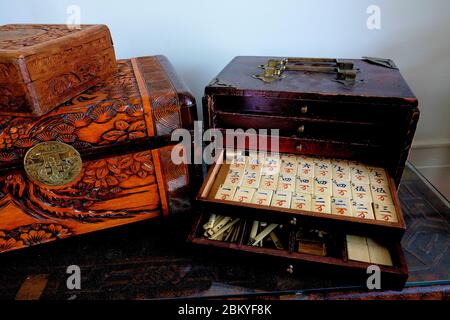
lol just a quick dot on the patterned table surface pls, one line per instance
(152, 260)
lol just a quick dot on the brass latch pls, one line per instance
(275, 68)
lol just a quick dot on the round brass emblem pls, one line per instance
(52, 163)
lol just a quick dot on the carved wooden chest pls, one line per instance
(43, 66)
(100, 160)
(328, 199)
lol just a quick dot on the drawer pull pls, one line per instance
(299, 147)
(304, 109)
(301, 129)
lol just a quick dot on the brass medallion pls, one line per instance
(52, 163)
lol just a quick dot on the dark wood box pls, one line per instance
(43, 66)
(121, 128)
(370, 116)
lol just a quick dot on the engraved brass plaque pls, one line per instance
(52, 163)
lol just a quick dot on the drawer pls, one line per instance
(302, 127)
(315, 109)
(296, 248)
(217, 175)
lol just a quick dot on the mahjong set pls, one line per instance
(335, 212)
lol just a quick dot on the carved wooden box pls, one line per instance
(121, 128)
(347, 111)
(43, 66)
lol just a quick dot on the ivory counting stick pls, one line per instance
(264, 233)
(210, 222)
(219, 225)
(222, 230)
(254, 230)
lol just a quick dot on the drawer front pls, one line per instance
(366, 132)
(110, 191)
(314, 109)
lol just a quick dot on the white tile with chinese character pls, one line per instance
(385, 212)
(323, 171)
(342, 189)
(378, 176)
(251, 179)
(289, 167)
(341, 172)
(321, 204)
(269, 182)
(305, 169)
(323, 187)
(341, 206)
(234, 178)
(281, 199)
(253, 167)
(243, 194)
(286, 183)
(304, 185)
(301, 201)
(360, 175)
(381, 195)
(362, 210)
(271, 165)
(262, 197)
(225, 193)
(361, 192)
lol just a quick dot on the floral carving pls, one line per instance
(32, 234)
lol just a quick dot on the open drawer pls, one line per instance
(295, 245)
(360, 200)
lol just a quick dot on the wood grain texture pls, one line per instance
(378, 114)
(42, 66)
(127, 173)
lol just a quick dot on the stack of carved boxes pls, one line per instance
(330, 197)
(84, 140)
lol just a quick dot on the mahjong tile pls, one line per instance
(362, 210)
(301, 201)
(243, 194)
(232, 155)
(269, 182)
(323, 170)
(342, 189)
(288, 157)
(341, 172)
(281, 199)
(321, 204)
(378, 177)
(251, 167)
(306, 169)
(271, 165)
(323, 187)
(304, 185)
(341, 162)
(381, 195)
(251, 179)
(262, 197)
(360, 175)
(289, 167)
(361, 193)
(341, 206)
(286, 183)
(225, 193)
(324, 161)
(234, 178)
(385, 212)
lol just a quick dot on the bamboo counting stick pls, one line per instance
(223, 229)
(263, 234)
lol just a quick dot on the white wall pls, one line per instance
(201, 36)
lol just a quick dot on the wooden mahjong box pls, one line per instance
(329, 198)
(100, 160)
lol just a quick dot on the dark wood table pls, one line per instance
(152, 260)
